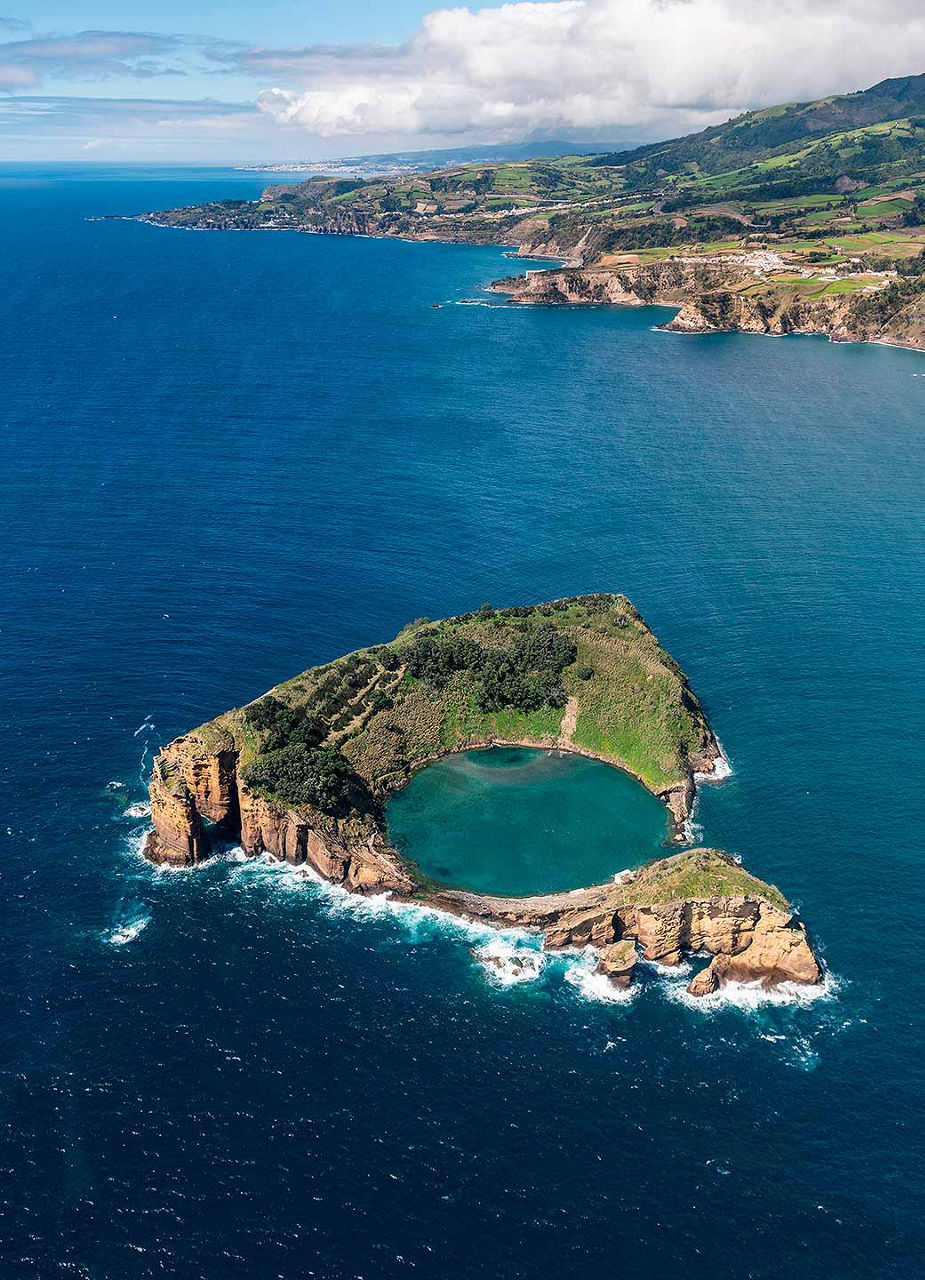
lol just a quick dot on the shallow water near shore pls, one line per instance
(516, 821)
(228, 457)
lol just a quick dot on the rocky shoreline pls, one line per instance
(695, 901)
(720, 296)
(740, 292)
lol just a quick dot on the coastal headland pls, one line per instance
(302, 775)
(805, 218)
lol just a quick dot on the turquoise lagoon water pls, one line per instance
(515, 821)
(226, 457)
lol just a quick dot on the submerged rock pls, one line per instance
(508, 964)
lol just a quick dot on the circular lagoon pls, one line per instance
(512, 820)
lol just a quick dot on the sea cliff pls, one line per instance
(739, 293)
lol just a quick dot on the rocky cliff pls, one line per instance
(199, 800)
(726, 296)
(699, 901)
(669, 282)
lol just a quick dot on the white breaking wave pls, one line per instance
(420, 923)
(140, 810)
(749, 996)
(127, 930)
(683, 970)
(581, 973)
(721, 770)
(136, 846)
(508, 957)
(507, 964)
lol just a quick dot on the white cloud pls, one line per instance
(104, 55)
(541, 68)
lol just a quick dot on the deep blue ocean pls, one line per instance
(228, 456)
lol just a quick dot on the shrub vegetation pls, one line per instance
(337, 738)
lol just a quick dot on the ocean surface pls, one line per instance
(227, 456)
(516, 821)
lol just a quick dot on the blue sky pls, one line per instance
(256, 22)
(270, 80)
(80, 109)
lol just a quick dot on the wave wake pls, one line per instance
(128, 928)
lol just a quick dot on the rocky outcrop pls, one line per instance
(618, 962)
(192, 785)
(774, 948)
(178, 837)
(694, 902)
(727, 295)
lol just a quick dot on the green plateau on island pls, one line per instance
(803, 218)
(303, 774)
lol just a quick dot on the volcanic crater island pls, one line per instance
(302, 775)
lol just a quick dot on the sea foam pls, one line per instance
(508, 964)
(750, 996)
(721, 770)
(581, 973)
(128, 928)
(506, 957)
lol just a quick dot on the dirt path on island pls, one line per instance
(569, 721)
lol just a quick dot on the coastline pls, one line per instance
(708, 294)
(745, 926)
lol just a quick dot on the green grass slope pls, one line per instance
(585, 672)
(757, 135)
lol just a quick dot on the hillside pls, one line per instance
(758, 135)
(764, 219)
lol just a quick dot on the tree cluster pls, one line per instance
(525, 674)
(282, 725)
(321, 777)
